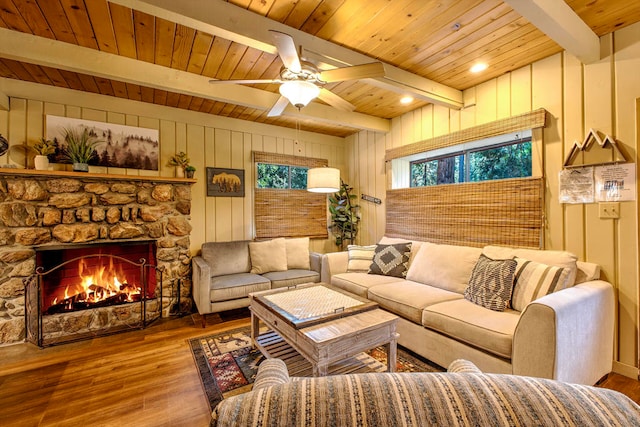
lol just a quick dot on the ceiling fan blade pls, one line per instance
(335, 101)
(287, 51)
(278, 107)
(249, 81)
(355, 72)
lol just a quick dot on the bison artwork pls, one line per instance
(228, 182)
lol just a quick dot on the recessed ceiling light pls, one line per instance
(480, 66)
(406, 100)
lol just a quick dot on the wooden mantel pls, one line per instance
(92, 176)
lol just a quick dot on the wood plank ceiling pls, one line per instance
(435, 40)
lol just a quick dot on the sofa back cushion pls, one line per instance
(554, 258)
(227, 257)
(269, 255)
(298, 253)
(444, 266)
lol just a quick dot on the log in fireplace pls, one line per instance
(87, 290)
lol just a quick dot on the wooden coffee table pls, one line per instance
(323, 338)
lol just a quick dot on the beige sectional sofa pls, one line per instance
(565, 335)
(226, 272)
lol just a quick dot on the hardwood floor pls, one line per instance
(138, 378)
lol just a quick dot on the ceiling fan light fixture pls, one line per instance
(299, 93)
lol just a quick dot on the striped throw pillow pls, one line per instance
(534, 280)
(360, 258)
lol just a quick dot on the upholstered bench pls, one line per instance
(462, 396)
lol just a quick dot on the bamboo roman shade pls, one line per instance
(503, 212)
(532, 120)
(286, 212)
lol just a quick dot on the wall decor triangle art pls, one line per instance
(606, 143)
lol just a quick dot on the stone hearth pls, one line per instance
(67, 208)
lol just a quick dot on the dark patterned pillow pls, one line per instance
(391, 260)
(491, 283)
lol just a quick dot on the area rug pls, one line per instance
(227, 363)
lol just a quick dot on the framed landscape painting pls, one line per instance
(118, 146)
(223, 182)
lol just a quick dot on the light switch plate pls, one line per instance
(609, 210)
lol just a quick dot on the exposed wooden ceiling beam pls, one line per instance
(233, 23)
(558, 21)
(56, 54)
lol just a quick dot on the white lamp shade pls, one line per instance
(299, 93)
(323, 180)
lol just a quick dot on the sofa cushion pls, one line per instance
(465, 321)
(557, 258)
(227, 257)
(270, 255)
(444, 266)
(534, 280)
(391, 260)
(407, 299)
(491, 283)
(282, 279)
(297, 253)
(360, 258)
(359, 283)
(240, 285)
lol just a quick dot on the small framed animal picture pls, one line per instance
(223, 182)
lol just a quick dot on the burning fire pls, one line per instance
(98, 286)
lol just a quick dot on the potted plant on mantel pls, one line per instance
(43, 147)
(190, 170)
(80, 148)
(344, 215)
(181, 162)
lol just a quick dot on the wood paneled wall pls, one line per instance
(209, 141)
(600, 96)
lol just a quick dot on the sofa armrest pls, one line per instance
(333, 263)
(315, 261)
(271, 372)
(201, 284)
(567, 335)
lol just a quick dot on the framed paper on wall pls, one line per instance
(118, 146)
(223, 182)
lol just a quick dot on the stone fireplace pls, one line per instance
(42, 212)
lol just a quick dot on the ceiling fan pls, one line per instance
(301, 81)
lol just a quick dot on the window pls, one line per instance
(511, 159)
(281, 176)
(282, 205)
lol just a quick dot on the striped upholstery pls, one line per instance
(427, 399)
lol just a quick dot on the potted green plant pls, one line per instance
(190, 170)
(180, 161)
(344, 215)
(80, 148)
(43, 148)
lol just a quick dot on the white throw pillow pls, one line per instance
(360, 258)
(555, 258)
(446, 267)
(270, 255)
(298, 253)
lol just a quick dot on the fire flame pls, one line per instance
(97, 284)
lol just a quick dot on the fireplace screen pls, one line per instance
(83, 291)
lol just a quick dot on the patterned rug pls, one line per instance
(227, 363)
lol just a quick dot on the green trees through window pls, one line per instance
(282, 176)
(510, 160)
